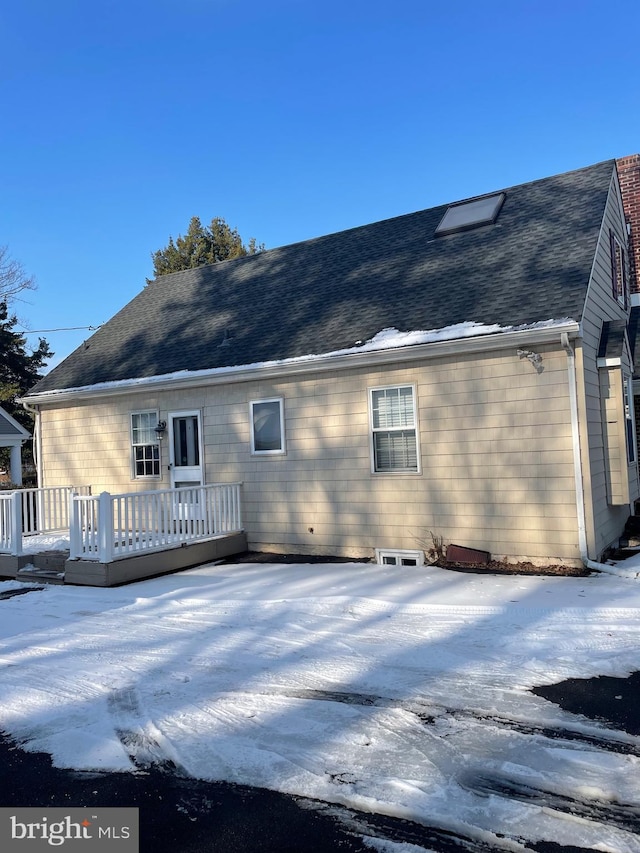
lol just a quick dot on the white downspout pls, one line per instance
(577, 457)
(37, 441)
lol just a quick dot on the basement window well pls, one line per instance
(470, 214)
(391, 557)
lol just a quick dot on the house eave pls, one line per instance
(314, 364)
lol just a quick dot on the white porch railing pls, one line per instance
(29, 512)
(47, 510)
(10, 523)
(109, 527)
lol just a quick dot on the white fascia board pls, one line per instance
(315, 364)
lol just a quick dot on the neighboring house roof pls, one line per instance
(11, 432)
(334, 292)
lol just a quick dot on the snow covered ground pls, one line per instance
(402, 692)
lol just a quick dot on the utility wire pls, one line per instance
(63, 329)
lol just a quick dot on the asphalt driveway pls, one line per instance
(181, 812)
(182, 815)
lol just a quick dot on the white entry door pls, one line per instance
(185, 449)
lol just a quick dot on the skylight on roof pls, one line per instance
(470, 214)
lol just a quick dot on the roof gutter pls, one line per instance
(312, 364)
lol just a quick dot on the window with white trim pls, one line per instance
(145, 447)
(619, 276)
(267, 426)
(629, 419)
(394, 430)
(399, 557)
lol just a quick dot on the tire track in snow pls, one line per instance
(148, 749)
(623, 815)
(142, 741)
(10, 593)
(425, 837)
(609, 740)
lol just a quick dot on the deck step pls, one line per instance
(45, 567)
(29, 574)
(53, 561)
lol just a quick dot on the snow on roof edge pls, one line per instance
(386, 339)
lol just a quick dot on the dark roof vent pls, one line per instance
(227, 334)
(471, 214)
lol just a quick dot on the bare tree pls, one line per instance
(13, 278)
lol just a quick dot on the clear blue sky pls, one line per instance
(288, 118)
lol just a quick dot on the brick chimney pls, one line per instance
(629, 177)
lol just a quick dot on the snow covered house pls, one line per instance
(462, 372)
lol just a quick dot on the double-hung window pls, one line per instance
(619, 271)
(267, 426)
(394, 430)
(144, 444)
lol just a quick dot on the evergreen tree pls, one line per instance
(19, 371)
(202, 245)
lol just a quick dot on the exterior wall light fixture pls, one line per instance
(534, 357)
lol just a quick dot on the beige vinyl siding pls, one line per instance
(90, 444)
(605, 521)
(494, 436)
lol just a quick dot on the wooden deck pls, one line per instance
(56, 567)
(116, 539)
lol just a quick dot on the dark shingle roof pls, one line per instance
(325, 294)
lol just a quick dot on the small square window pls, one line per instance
(399, 557)
(267, 426)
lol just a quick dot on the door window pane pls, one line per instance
(186, 445)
